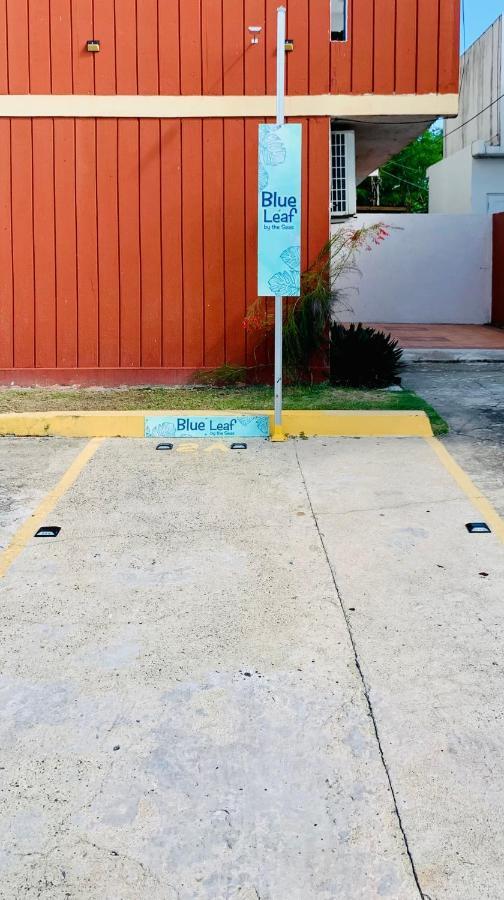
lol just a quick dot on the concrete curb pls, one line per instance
(311, 423)
(437, 354)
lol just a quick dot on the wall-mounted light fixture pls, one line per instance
(289, 45)
(93, 46)
(255, 31)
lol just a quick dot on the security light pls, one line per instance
(255, 31)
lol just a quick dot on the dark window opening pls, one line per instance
(338, 20)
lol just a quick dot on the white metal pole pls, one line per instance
(281, 36)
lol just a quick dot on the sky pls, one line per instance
(479, 14)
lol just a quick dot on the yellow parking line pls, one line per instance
(28, 528)
(489, 513)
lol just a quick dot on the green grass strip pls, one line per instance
(321, 396)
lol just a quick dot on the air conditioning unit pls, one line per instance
(343, 186)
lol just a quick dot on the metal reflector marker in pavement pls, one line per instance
(48, 531)
(478, 528)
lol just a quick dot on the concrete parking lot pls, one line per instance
(271, 674)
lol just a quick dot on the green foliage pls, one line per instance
(223, 376)
(363, 357)
(307, 319)
(403, 180)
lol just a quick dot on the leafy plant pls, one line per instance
(363, 357)
(403, 180)
(307, 319)
(223, 376)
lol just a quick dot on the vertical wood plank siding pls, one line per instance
(203, 46)
(129, 244)
(133, 243)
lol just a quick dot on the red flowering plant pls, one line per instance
(307, 318)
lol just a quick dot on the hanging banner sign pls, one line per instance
(280, 155)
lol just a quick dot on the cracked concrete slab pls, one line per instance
(261, 675)
(423, 600)
(180, 711)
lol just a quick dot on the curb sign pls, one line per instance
(192, 427)
(280, 149)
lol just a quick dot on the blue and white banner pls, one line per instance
(280, 155)
(195, 426)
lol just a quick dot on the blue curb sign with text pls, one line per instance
(279, 248)
(184, 426)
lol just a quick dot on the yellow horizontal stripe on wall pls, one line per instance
(196, 107)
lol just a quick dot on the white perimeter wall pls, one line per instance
(450, 183)
(432, 269)
(461, 183)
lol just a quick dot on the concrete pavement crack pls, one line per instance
(146, 870)
(395, 506)
(363, 682)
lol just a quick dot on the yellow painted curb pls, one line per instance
(73, 424)
(357, 423)
(311, 423)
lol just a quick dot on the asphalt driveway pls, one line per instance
(470, 397)
(249, 675)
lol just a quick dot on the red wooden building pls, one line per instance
(128, 176)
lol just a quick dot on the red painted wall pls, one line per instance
(203, 46)
(133, 243)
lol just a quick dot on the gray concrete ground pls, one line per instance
(470, 396)
(268, 675)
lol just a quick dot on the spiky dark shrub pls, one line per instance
(363, 357)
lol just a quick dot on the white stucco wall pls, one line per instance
(432, 269)
(487, 178)
(462, 182)
(450, 183)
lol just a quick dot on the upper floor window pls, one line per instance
(338, 20)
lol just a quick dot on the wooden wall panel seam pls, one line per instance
(4, 49)
(202, 220)
(161, 257)
(77, 286)
(97, 238)
(56, 289)
(140, 253)
(6, 258)
(34, 284)
(119, 285)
